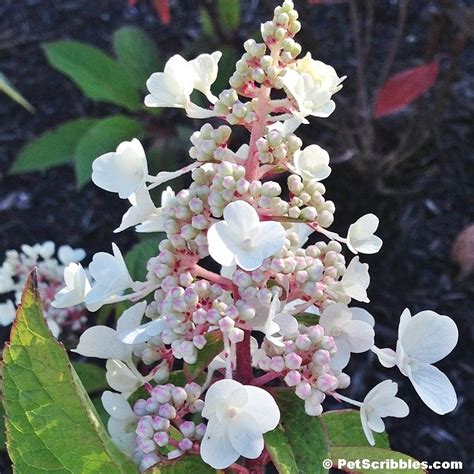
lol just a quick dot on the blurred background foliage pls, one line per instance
(73, 78)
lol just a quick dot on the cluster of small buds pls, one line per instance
(209, 143)
(162, 432)
(282, 28)
(15, 271)
(308, 203)
(188, 311)
(304, 365)
(275, 148)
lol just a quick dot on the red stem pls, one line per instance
(262, 380)
(244, 373)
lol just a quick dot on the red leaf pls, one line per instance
(463, 251)
(403, 88)
(162, 7)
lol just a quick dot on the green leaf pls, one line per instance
(2, 428)
(104, 136)
(213, 348)
(92, 376)
(344, 429)
(185, 465)
(51, 423)
(300, 444)
(206, 23)
(307, 319)
(9, 89)
(229, 13)
(137, 53)
(137, 258)
(94, 72)
(354, 455)
(53, 148)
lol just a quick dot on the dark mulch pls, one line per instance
(432, 198)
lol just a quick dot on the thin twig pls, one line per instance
(392, 53)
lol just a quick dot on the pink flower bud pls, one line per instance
(179, 395)
(167, 411)
(293, 361)
(160, 424)
(303, 342)
(236, 335)
(185, 444)
(199, 341)
(327, 383)
(303, 390)
(312, 409)
(187, 428)
(321, 357)
(316, 333)
(140, 407)
(161, 394)
(277, 364)
(226, 324)
(292, 378)
(161, 438)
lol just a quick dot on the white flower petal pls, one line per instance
(270, 238)
(356, 279)
(429, 337)
(102, 342)
(117, 406)
(262, 406)
(7, 313)
(120, 377)
(126, 443)
(341, 358)
(123, 171)
(218, 238)
(245, 435)
(67, 254)
(77, 286)
(204, 69)
(361, 238)
(312, 163)
(360, 336)
(216, 448)
(218, 390)
(360, 314)
(434, 388)
(387, 357)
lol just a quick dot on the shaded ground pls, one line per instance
(418, 227)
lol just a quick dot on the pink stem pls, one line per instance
(262, 380)
(258, 127)
(211, 276)
(237, 468)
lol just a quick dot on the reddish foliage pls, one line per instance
(162, 7)
(403, 88)
(463, 251)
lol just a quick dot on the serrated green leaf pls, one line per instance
(2, 428)
(229, 13)
(300, 445)
(11, 91)
(104, 136)
(137, 53)
(94, 72)
(357, 454)
(51, 423)
(213, 348)
(53, 148)
(185, 465)
(137, 258)
(92, 376)
(344, 429)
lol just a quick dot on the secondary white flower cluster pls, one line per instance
(52, 272)
(234, 292)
